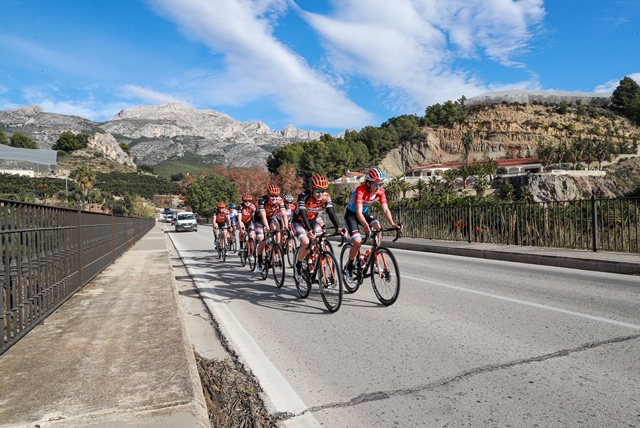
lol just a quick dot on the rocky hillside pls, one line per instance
(499, 128)
(158, 133)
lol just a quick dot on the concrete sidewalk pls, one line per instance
(117, 354)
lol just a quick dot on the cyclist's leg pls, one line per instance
(303, 249)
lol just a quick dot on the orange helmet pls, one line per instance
(221, 204)
(247, 197)
(273, 190)
(319, 181)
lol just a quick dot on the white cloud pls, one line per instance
(149, 96)
(409, 46)
(257, 66)
(612, 84)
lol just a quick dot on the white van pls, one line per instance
(186, 220)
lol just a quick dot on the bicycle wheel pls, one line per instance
(304, 285)
(218, 242)
(330, 279)
(251, 255)
(223, 244)
(243, 255)
(234, 243)
(351, 284)
(266, 263)
(277, 264)
(290, 248)
(385, 276)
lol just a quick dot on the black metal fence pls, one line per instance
(591, 224)
(49, 253)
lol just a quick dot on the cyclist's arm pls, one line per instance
(305, 219)
(285, 218)
(333, 217)
(361, 219)
(388, 216)
(263, 217)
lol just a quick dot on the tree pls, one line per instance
(626, 99)
(125, 148)
(203, 194)
(404, 186)
(67, 142)
(22, 141)
(288, 180)
(421, 187)
(448, 114)
(86, 178)
(545, 152)
(467, 140)
(3, 138)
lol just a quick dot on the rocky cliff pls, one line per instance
(158, 133)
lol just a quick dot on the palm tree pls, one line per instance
(467, 139)
(86, 178)
(393, 188)
(421, 187)
(404, 186)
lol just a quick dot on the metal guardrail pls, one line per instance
(591, 224)
(49, 253)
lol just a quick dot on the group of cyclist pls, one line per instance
(280, 213)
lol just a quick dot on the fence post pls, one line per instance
(79, 237)
(469, 227)
(594, 221)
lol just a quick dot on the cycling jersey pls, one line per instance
(270, 207)
(309, 207)
(221, 215)
(247, 211)
(233, 215)
(361, 195)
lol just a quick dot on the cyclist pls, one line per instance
(266, 217)
(357, 211)
(247, 212)
(221, 221)
(233, 216)
(307, 222)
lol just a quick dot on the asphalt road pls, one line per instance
(470, 342)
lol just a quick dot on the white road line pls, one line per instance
(281, 394)
(524, 302)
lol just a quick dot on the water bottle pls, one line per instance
(311, 263)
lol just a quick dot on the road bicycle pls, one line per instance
(233, 242)
(321, 267)
(273, 259)
(289, 247)
(379, 263)
(248, 252)
(221, 240)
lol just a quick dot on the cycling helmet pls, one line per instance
(375, 174)
(288, 197)
(273, 190)
(232, 205)
(247, 197)
(221, 204)
(319, 181)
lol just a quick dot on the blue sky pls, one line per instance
(323, 65)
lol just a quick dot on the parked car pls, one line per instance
(186, 221)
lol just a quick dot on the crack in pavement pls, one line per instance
(383, 395)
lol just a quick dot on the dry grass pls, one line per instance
(232, 396)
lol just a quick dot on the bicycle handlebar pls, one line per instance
(388, 229)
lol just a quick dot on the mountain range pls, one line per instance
(157, 133)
